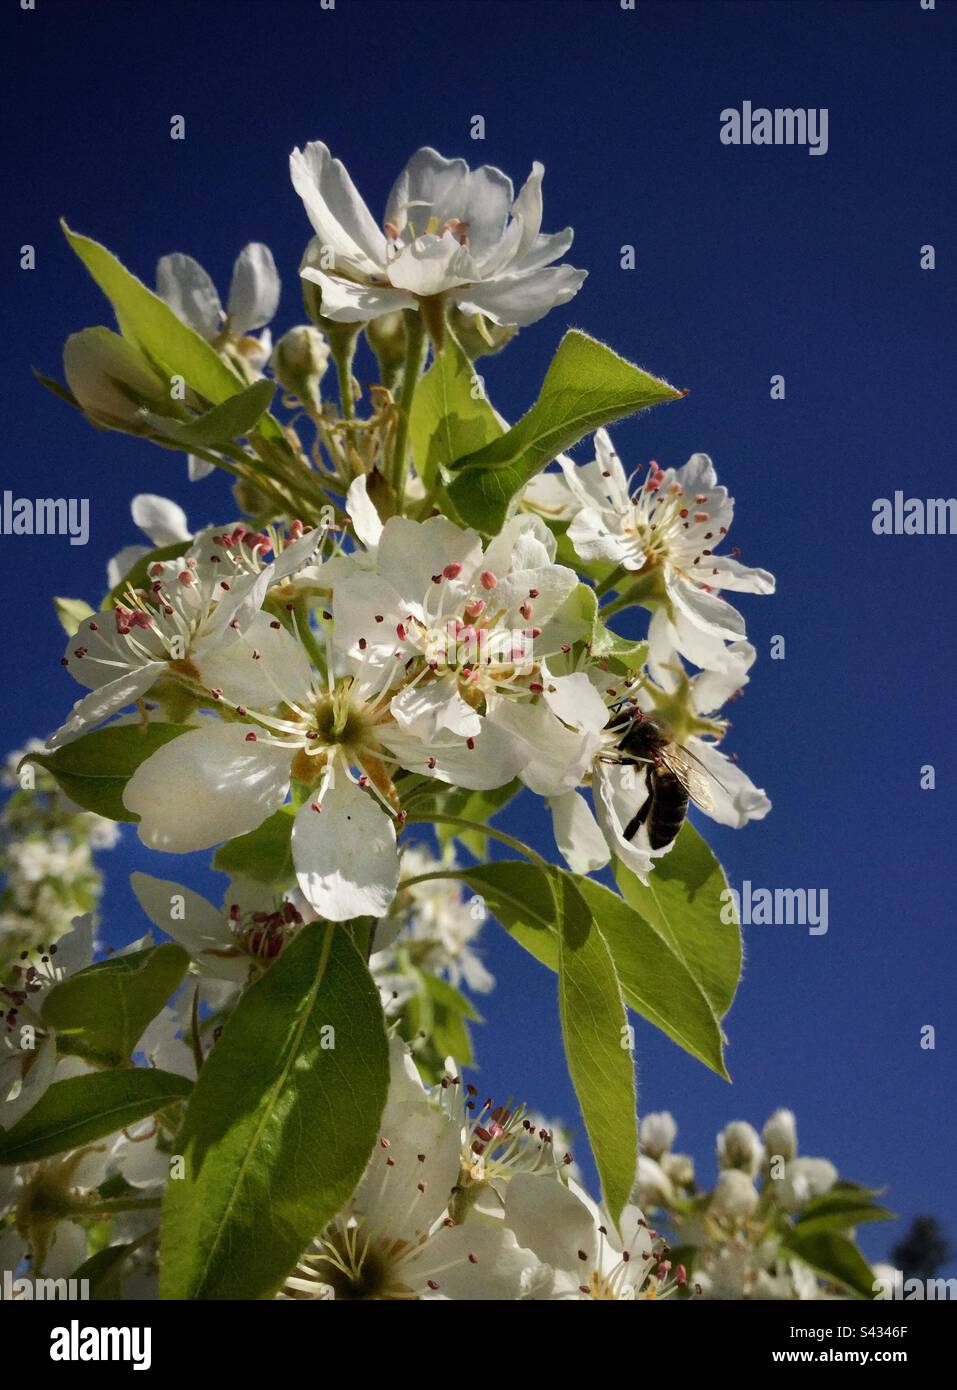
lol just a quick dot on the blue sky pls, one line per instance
(750, 262)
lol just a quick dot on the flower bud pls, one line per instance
(805, 1178)
(780, 1135)
(679, 1169)
(386, 337)
(113, 381)
(652, 1187)
(299, 360)
(478, 335)
(739, 1146)
(734, 1195)
(657, 1133)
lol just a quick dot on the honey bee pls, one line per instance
(673, 778)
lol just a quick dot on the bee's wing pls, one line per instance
(695, 779)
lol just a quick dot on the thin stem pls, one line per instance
(343, 348)
(414, 343)
(439, 817)
(610, 582)
(107, 1206)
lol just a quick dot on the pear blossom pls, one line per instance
(589, 1258)
(232, 943)
(693, 705)
(253, 300)
(474, 625)
(449, 232)
(395, 1240)
(26, 1072)
(665, 532)
(192, 623)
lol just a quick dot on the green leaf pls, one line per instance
(586, 386)
(683, 902)
(101, 1012)
(619, 652)
(434, 1023)
(832, 1255)
(447, 997)
(595, 1032)
(94, 769)
(83, 1109)
(104, 1271)
(71, 612)
(842, 1207)
(281, 1124)
(234, 418)
(149, 322)
(447, 420)
(57, 388)
(656, 982)
(265, 854)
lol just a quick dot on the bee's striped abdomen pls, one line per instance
(669, 806)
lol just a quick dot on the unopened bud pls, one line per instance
(679, 1169)
(780, 1134)
(386, 337)
(299, 360)
(113, 381)
(735, 1195)
(739, 1146)
(478, 336)
(658, 1133)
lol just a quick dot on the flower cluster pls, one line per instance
(46, 857)
(743, 1239)
(412, 613)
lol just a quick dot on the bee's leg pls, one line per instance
(638, 819)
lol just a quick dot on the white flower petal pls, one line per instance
(724, 572)
(365, 519)
(706, 611)
(429, 265)
(346, 302)
(190, 293)
(338, 214)
(619, 792)
(429, 186)
(494, 759)
(163, 521)
(206, 786)
(411, 552)
(121, 564)
(522, 299)
(254, 292)
(577, 834)
(347, 864)
(198, 468)
(115, 695)
(259, 667)
(549, 1219)
(736, 799)
(434, 706)
(192, 921)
